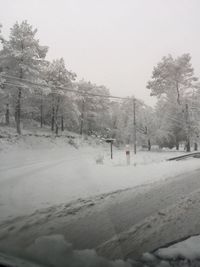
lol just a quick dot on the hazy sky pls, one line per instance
(112, 42)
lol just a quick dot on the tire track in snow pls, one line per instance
(27, 170)
(125, 225)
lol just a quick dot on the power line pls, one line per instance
(59, 87)
(79, 92)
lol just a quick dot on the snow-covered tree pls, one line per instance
(170, 130)
(21, 57)
(1, 36)
(172, 77)
(2, 80)
(94, 110)
(172, 81)
(122, 122)
(147, 125)
(59, 79)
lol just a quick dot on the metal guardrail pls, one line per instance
(188, 155)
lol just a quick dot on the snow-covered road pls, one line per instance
(125, 223)
(32, 179)
(63, 191)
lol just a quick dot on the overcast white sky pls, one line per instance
(112, 42)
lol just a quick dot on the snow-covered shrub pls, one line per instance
(73, 143)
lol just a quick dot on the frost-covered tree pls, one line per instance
(147, 125)
(122, 122)
(1, 36)
(124, 133)
(2, 80)
(22, 57)
(172, 77)
(170, 130)
(98, 115)
(94, 110)
(59, 79)
(172, 80)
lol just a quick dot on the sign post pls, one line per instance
(110, 140)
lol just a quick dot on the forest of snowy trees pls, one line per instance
(47, 94)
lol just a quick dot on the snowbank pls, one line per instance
(54, 250)
(185, 253)
(188, 249)
(57, 252)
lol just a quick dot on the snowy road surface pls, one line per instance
(125, 223)
(39, 178)
(119, 210)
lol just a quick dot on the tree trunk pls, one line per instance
(41, 114)
(149, 145)
(177, 145)
(7, 115)
(178, 93)
(18, 111)
(56, 128)
(81, 127)
(56, 116)
(188, 129)
(195, 146)
(62, 123)
(18, 106)
(53, 119)
(188, 145)
(15, 115)
(82, 117)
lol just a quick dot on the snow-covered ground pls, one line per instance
(38, 172)
(186, 249)
(184, 253)
(41, 172)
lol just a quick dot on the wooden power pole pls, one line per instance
(188, 128)
(134, 127)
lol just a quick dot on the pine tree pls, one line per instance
(22, 57)
(172, 77)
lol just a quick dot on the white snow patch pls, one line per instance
(55, 251)
(187, 249)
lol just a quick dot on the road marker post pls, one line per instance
(128, 155)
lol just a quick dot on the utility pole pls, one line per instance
(111, 150)
(41, 113)
(82, 116)
(62, 123)
(7, 114)
(134, 126)
(188, 128)
(148, 138)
